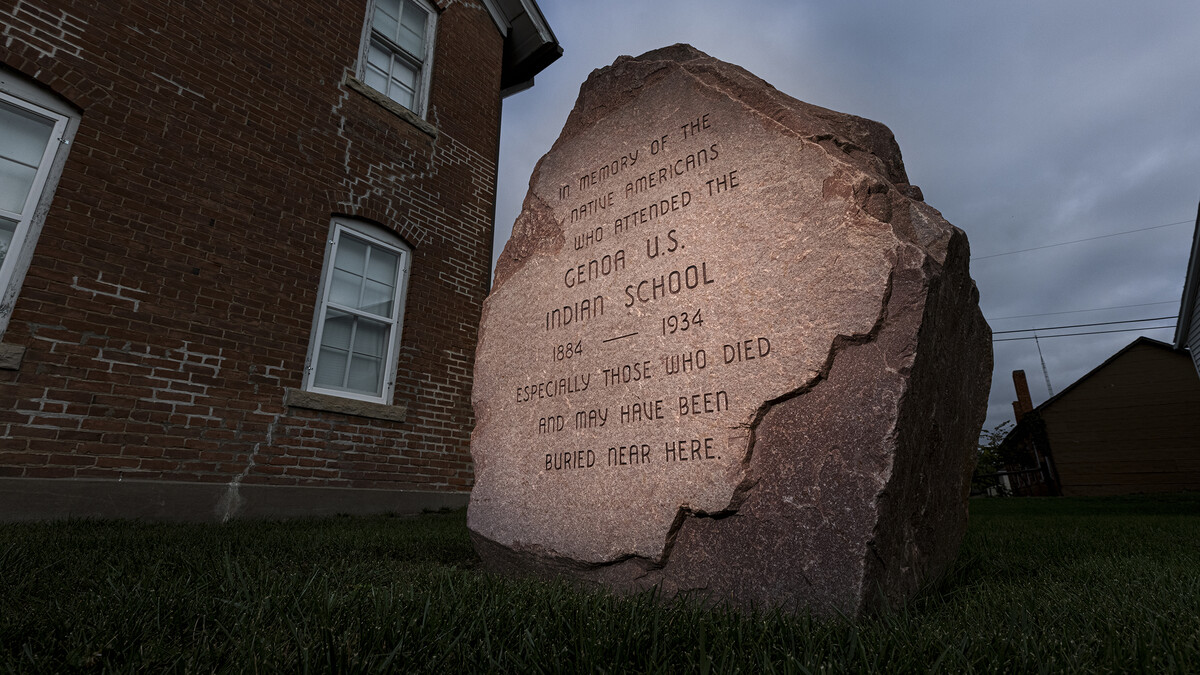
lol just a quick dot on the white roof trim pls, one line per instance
(527, 7)
(1191, 285)
(497, 16)
(539, 22)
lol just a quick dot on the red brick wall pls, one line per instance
(170, 298)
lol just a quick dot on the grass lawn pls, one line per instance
(1042, 585)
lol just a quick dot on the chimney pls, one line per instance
(1024, 403)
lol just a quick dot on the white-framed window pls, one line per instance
(397, 52)
(35, 133)
(360, 313)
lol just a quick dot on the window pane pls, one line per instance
(412, 30)
(351, 255)
(365, 375)
(370, 338)
(376, 78)
(366, 362)
(338, 328)
(377, 299)
(404, 74)
(386, 19)
(25, 135)
(379, 56)
(349, 264)
(15, 182)
(7, 229)
(411, 43)
(382, 266)
(345, 288)
(336, 336)
(392, 7)
(331, 368)
(348, 288)
(401, 94)
(23, 139)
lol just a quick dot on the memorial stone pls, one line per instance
(730, 352)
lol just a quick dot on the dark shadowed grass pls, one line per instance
(1050, 585)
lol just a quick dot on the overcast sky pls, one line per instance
(1025, 122)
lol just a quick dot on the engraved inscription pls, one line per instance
(595, 268)
(607, 171)
(588, 238)
(671, 283)
(660, 374)
(682, 322)
(566, 351)
(624, 374)
(628, 455)
(726, 181)
(705, 402)
(591, 419)
(591, 206)
(570, 459)
(652, 211)
(668, 172)
(695, 126)
(747, 350)
(579, 312)
(686, 362)
(642, 411)
(670, 245)
(690, 450)
(552, 388)
(551, 424)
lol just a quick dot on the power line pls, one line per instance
(1094, 332)
(1080, 311)
(1085, 325)
(1076, 241)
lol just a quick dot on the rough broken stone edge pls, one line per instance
(742, 490)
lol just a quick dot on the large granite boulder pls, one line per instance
(729, 351)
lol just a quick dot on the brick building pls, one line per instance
(244, 250)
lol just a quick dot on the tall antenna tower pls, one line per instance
(1045, 373)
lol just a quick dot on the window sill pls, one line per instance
(297, 398)
(391, 106)
(10, 356)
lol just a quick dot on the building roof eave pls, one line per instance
(1142, 340)
(1191, 286)
(529, 43)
